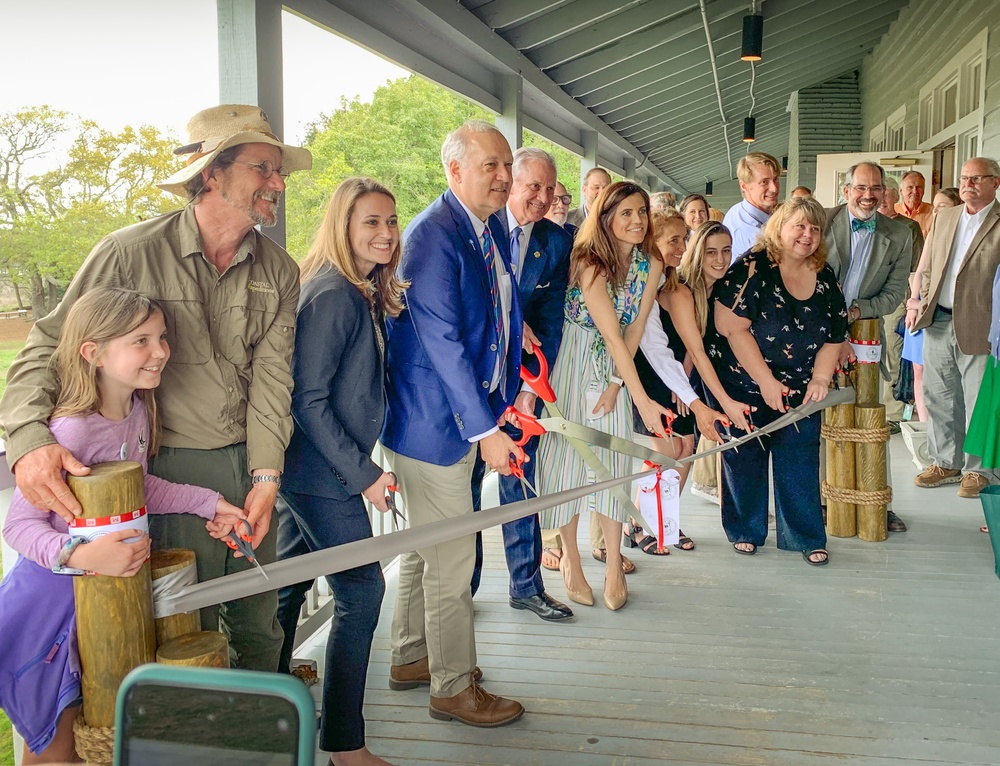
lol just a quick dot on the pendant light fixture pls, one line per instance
(708, 188)
(749, 130)
(753, 35)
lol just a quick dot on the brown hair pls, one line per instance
(596, 246)
(770, 237)
(332, 247)
(99, 316)
(658, 220)
(691, 270)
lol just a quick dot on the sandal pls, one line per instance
(601, 554)
(553, 556)
(745, 551)
(684, 543)
(808, 556)
(637, 538)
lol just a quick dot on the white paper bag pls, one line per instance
(660, 519)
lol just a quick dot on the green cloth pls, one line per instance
(983, 435)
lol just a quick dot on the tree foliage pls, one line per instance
(65, 183)
(396, 139)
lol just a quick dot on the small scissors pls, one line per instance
(241, 542)
(517, 469)
(398, 519)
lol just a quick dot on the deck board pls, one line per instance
(886, 657)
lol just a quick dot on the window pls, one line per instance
(895, 134)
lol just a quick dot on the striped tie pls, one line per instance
(489, 255)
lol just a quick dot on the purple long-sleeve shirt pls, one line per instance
(40, 535)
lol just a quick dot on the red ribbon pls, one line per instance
(659, 501)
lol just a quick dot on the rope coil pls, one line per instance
(856, 435)
(95, 744)
(856, 496)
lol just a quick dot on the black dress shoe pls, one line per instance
(894, 523)
(544, 606)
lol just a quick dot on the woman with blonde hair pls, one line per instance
(349, 286)
(783, 322)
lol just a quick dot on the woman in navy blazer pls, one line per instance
(349, 285)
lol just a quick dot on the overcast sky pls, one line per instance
(124, 62)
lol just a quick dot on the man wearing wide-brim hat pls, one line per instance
(229, 295)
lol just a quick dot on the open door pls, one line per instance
(831, 171)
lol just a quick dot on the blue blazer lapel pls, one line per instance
(535, 258)
(473, 246)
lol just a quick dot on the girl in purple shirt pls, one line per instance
(109, 358)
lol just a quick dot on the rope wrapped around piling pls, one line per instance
(856, 435)
(95, 744)
(856, 496)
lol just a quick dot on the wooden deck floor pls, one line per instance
(886, 657)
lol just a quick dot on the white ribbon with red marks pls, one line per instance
(658, 499)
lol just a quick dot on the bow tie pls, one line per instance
(857, 224)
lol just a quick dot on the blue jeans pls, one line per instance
(522, 538)
(308, 523)
(794, 457)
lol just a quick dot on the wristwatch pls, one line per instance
(616, 380)
(267, 478)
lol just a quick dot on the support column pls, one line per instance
(509, 120)
(588, 139)
(250, 66)
(628, 165)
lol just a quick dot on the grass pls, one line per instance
(7, 353)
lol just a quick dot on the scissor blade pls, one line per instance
(260, 569)
(601, 439)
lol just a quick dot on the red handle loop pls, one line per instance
(540, 382)
(529, 426)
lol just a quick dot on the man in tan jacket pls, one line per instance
(963, 251)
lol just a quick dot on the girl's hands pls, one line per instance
(816, 390)
(682, 409)
(111, 555)
(652, 416)
(606, 401)
(736, 412)
(227, 516)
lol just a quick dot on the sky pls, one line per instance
(122, 62)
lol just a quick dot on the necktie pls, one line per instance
(515, 250)
(489, 255)
(857, 224)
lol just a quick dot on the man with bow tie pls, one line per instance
(870, 255)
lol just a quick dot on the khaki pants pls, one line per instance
(706, 471)
(551, 538)
(433, 614)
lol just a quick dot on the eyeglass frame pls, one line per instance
(865, 189)
(975, 180)
(566, 199)
(266, 169)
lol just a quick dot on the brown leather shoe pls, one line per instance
(403, 677)
(476, 707)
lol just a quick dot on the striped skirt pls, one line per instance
(559, 466)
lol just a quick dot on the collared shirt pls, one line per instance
(744, 222)
(968, 225)
(861, 250)
(524, 238)
(504, 283)
(231, 336)
(922, 215)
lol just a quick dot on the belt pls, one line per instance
(942, 309)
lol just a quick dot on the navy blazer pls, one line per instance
(338, 399)
(543, 282)
(443, 348)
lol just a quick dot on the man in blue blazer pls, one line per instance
(454, 359)
(540, 259)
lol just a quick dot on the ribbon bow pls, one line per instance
(857, 224)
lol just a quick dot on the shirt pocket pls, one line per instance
(243, 324)
(187, 330)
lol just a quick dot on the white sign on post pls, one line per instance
(658, 500)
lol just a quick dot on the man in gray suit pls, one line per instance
(596, 181)
(870, 255)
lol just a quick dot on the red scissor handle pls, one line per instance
(540, 382)
(529, 426)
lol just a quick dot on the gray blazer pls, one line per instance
(883, 285)
(576, 216)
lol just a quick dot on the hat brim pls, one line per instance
(293, 158)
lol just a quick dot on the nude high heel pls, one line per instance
(615, 602)
(584, 597)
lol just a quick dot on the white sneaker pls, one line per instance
(705, 492)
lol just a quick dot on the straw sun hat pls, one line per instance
(213, 130)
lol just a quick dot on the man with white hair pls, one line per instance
(453, 368)
(229, 296)
(911, 203)
(594, 182)
(954, 310)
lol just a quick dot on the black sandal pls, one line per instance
(637, 538)
(684, 543)
(807, 555)
(752, 550)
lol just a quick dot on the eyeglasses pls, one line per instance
(266, 169)
(976, 180)
(566, 199)
(866, 189)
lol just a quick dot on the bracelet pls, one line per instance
(616, 380)
(267, 478)
(64, 555)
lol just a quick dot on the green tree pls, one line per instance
(66, 183)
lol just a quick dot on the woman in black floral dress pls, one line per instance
(783, 323)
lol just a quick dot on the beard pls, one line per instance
(263, 220)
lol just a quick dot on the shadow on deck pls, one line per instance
(886, 657)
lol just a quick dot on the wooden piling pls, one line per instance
(871, 473)
(841, 517)
(202, 649)
(166, 562)
(114, 615)
(866, 377)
